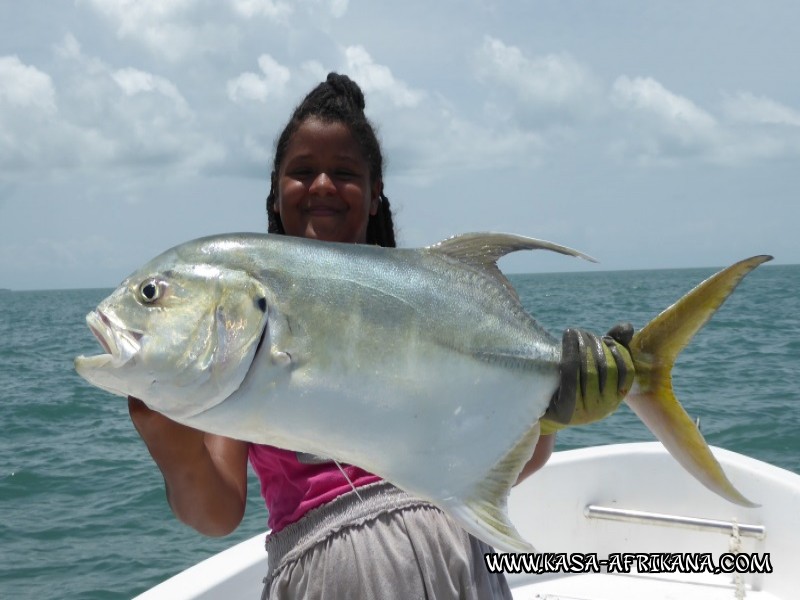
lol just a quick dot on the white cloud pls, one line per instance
(248, 86)
(314, 70)
(257, 152)
(667, 127)
(647, 95)
(157, 24)
(101, 117)
(277, 11)
(378, 79)
(69, 47)
(549, 86)
(174, 30)
(136, 14)
(445, 143)
(254, 87)
(33, 131)
(339, 8)
(650, 123)
(23, 86)
(133, 82)
(336, 8)
(662, 125)
(749, 108)
(435, 139)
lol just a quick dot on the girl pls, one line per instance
(327, 540)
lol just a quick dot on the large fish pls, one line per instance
(419, 365)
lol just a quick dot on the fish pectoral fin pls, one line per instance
(485, 512)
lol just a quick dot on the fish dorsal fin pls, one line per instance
(482, 251)
(485, 249)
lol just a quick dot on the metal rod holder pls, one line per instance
(593, 511)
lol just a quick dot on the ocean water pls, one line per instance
(82, 507)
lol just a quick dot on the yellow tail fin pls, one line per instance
(654, 350)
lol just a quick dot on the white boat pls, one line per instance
(629, 504)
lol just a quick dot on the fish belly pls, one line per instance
(434, 426)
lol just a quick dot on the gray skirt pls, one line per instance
(385, 545)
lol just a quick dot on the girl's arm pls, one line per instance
(205, 475)
(542, 452)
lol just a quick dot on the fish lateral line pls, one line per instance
(483, 479)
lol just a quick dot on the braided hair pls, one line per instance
(338, 99)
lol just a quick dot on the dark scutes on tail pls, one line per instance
(596, 374)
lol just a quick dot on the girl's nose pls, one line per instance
(322, 185)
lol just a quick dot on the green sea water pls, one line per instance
(82, 506)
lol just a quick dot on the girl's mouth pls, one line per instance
(322, 211)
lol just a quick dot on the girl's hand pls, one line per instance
(205, 475)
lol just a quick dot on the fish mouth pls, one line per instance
(120, 344)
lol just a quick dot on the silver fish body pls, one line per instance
(419, 365)
(394, 361)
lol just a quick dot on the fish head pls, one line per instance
(179, 336)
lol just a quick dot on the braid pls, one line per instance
(380, 227)
(338, 99)
(274, 223)
(344, 92)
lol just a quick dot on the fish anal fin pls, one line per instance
(484, 513)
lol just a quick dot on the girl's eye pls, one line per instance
(308, 173)
(345, 174)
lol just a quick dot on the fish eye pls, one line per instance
(150, 291)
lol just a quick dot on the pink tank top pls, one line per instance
(293, 483)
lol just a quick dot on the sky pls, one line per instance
(646, 134)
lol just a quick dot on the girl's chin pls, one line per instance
(323, 234)
(333, 234)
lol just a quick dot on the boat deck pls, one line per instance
(606, 501)
(603, 586)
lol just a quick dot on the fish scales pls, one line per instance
(400, 339)
(419, 365)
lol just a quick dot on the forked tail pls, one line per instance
(654, 350)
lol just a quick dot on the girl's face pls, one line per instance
(324, 187)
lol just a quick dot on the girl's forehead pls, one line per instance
(315, 136)
(315, 127)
